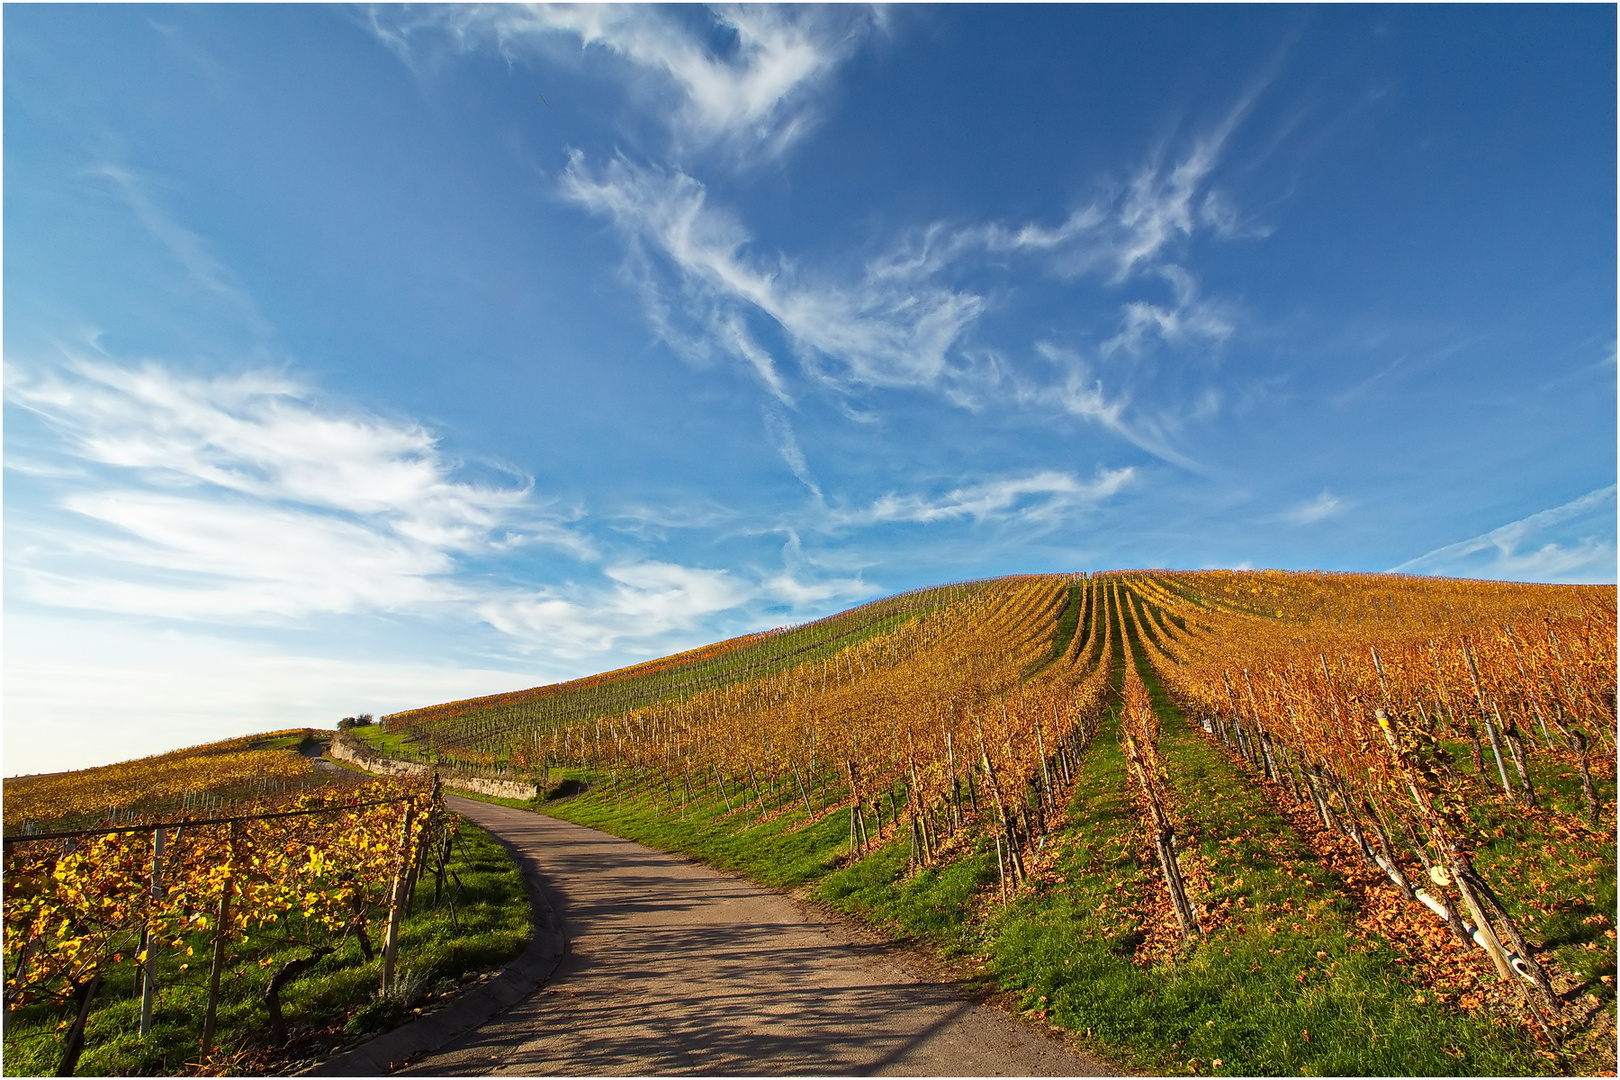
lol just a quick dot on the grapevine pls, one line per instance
(78, 904)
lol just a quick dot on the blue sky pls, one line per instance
(359, 358)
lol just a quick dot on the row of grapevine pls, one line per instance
(327, 869)
(484, 731)
(1140, 725)
(176, 783)
(1344, 693)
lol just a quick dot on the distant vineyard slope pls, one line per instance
(195, 779)
(484, 730)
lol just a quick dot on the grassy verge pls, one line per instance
(386, 742)
(481, 922)
(779, 849)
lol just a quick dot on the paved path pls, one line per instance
(673, 967)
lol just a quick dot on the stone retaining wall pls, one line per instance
(344, 750)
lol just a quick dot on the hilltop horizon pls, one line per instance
(699, 653)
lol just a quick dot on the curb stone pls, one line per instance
(532, 968)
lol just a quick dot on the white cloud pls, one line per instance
(1574, 542)
(737, 338)
(753, 95)
(237, 498)
(819, 592)
(238, 501)
(1127, 231)
(650, 522)
(788, 587)
(192, 558)
(883, 329)
(745, 78)
(1321, 508)
(648, 600)
(1188, 318)
(787, 444)
(900, 320)
(1080, 393)
(1043, 497)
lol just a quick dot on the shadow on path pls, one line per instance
(673, 967)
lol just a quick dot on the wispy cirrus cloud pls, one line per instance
(787, 444)
(1044, 497)
(901, 319)
(1187, 319)
(243, 500)
(646, 600)
(141, 195)
(239, 497)
(649, 603)
(1573, 543)
(743, 76)
(1136, 228)
(1078, 390)
(879, 330)
(1309, 512)
(746, 77)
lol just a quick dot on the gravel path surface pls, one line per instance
(673, 967)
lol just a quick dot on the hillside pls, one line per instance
(1198, 822)
(1216, 821)
(191, 781)
(496, 727)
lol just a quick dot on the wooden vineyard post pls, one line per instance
(1517, 969)
(149, 982)
(1001, 869)
(1046, 775)
(1518, 657)
(396, 907)
(1164, 841)
(857, 819)
(919, 817)
(1485, 717)
(803, 792)
(1510, 732)
(718, 780)
(1258, 736)
(1483, 933)
(221, 933)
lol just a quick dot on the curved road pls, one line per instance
(673, 967)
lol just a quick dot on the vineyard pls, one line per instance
(1203, 822)
(499, 729)
(189, 782)
(226, 939)
(1413, 777)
